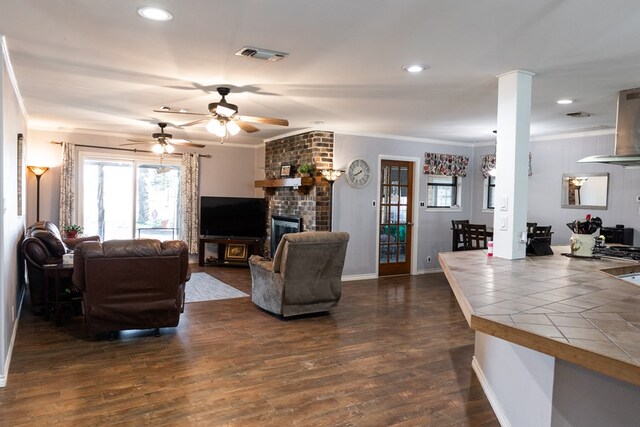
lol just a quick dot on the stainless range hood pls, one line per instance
(627, 148)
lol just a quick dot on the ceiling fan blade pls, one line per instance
(266, 120)
(176, 140)
(140, 140)
(188, 144)
(195, 122)
(138, 143)
(179, 112)
(246, 126)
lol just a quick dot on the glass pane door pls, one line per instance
(108, 198)
(157, 201)
(395, 217)
(124, 199)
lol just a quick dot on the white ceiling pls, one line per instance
(96, 66)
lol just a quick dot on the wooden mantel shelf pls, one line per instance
(303, 185)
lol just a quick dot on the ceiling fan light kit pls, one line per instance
(163, 142)
(233, 128)
(223, 119)
(216, 127)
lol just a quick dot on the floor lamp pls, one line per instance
(331, 175)
(38, 171)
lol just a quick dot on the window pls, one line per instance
(443, 191)
(124, 198)
(489, 192)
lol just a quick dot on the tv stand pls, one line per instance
(254, 247)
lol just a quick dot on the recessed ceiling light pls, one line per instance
(154, 13)
(564, 101)
(415, 68)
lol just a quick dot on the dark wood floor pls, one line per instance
(395, 351)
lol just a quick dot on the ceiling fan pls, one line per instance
(163, 142)
(223, 118)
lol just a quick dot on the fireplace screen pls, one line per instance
(281, 225)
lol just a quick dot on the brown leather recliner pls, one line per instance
(43, 244)
(131, 284)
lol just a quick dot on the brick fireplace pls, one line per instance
(313, 208)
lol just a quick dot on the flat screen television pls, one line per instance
(233, 216)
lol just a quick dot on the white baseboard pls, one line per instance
(4, 376)
(491, 396)
(353, 277)
(370, 276)
(429, 271)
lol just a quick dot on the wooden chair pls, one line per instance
(458, 235)
(475, 236)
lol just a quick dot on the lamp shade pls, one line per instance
(157, 148)
(38, 170)
(331, 174)
(233, 128)
(217, 128)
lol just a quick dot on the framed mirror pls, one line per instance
(585, 190)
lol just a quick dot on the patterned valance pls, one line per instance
(489, 163)
(445, 164)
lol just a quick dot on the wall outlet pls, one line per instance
(428, 259)
(373, 203)
(422, 204)
(638, 199)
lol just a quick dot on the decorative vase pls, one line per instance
(582, 244)
(72, 234)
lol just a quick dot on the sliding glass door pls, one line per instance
(128, 198)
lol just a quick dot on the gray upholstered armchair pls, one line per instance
(304, 276)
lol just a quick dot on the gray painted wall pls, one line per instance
(353, 211)
(550, 158)
(12, 122)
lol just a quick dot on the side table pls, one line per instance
(57, 272)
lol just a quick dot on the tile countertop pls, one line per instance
(568, 308)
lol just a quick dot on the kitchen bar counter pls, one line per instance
(573, 309)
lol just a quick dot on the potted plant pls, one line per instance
(306, 169)
(72, 231)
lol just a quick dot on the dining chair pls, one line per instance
(475, 236)
(542, 233)
(530, 226)
(540, 241)
(458, 235)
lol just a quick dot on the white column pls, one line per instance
(512, 164)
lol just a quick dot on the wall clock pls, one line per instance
(358, 173)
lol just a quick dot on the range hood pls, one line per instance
(627, 148)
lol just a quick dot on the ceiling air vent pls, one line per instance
(264, 54)
(579, 114)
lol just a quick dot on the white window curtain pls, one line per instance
(189, 198)
(67, 187)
